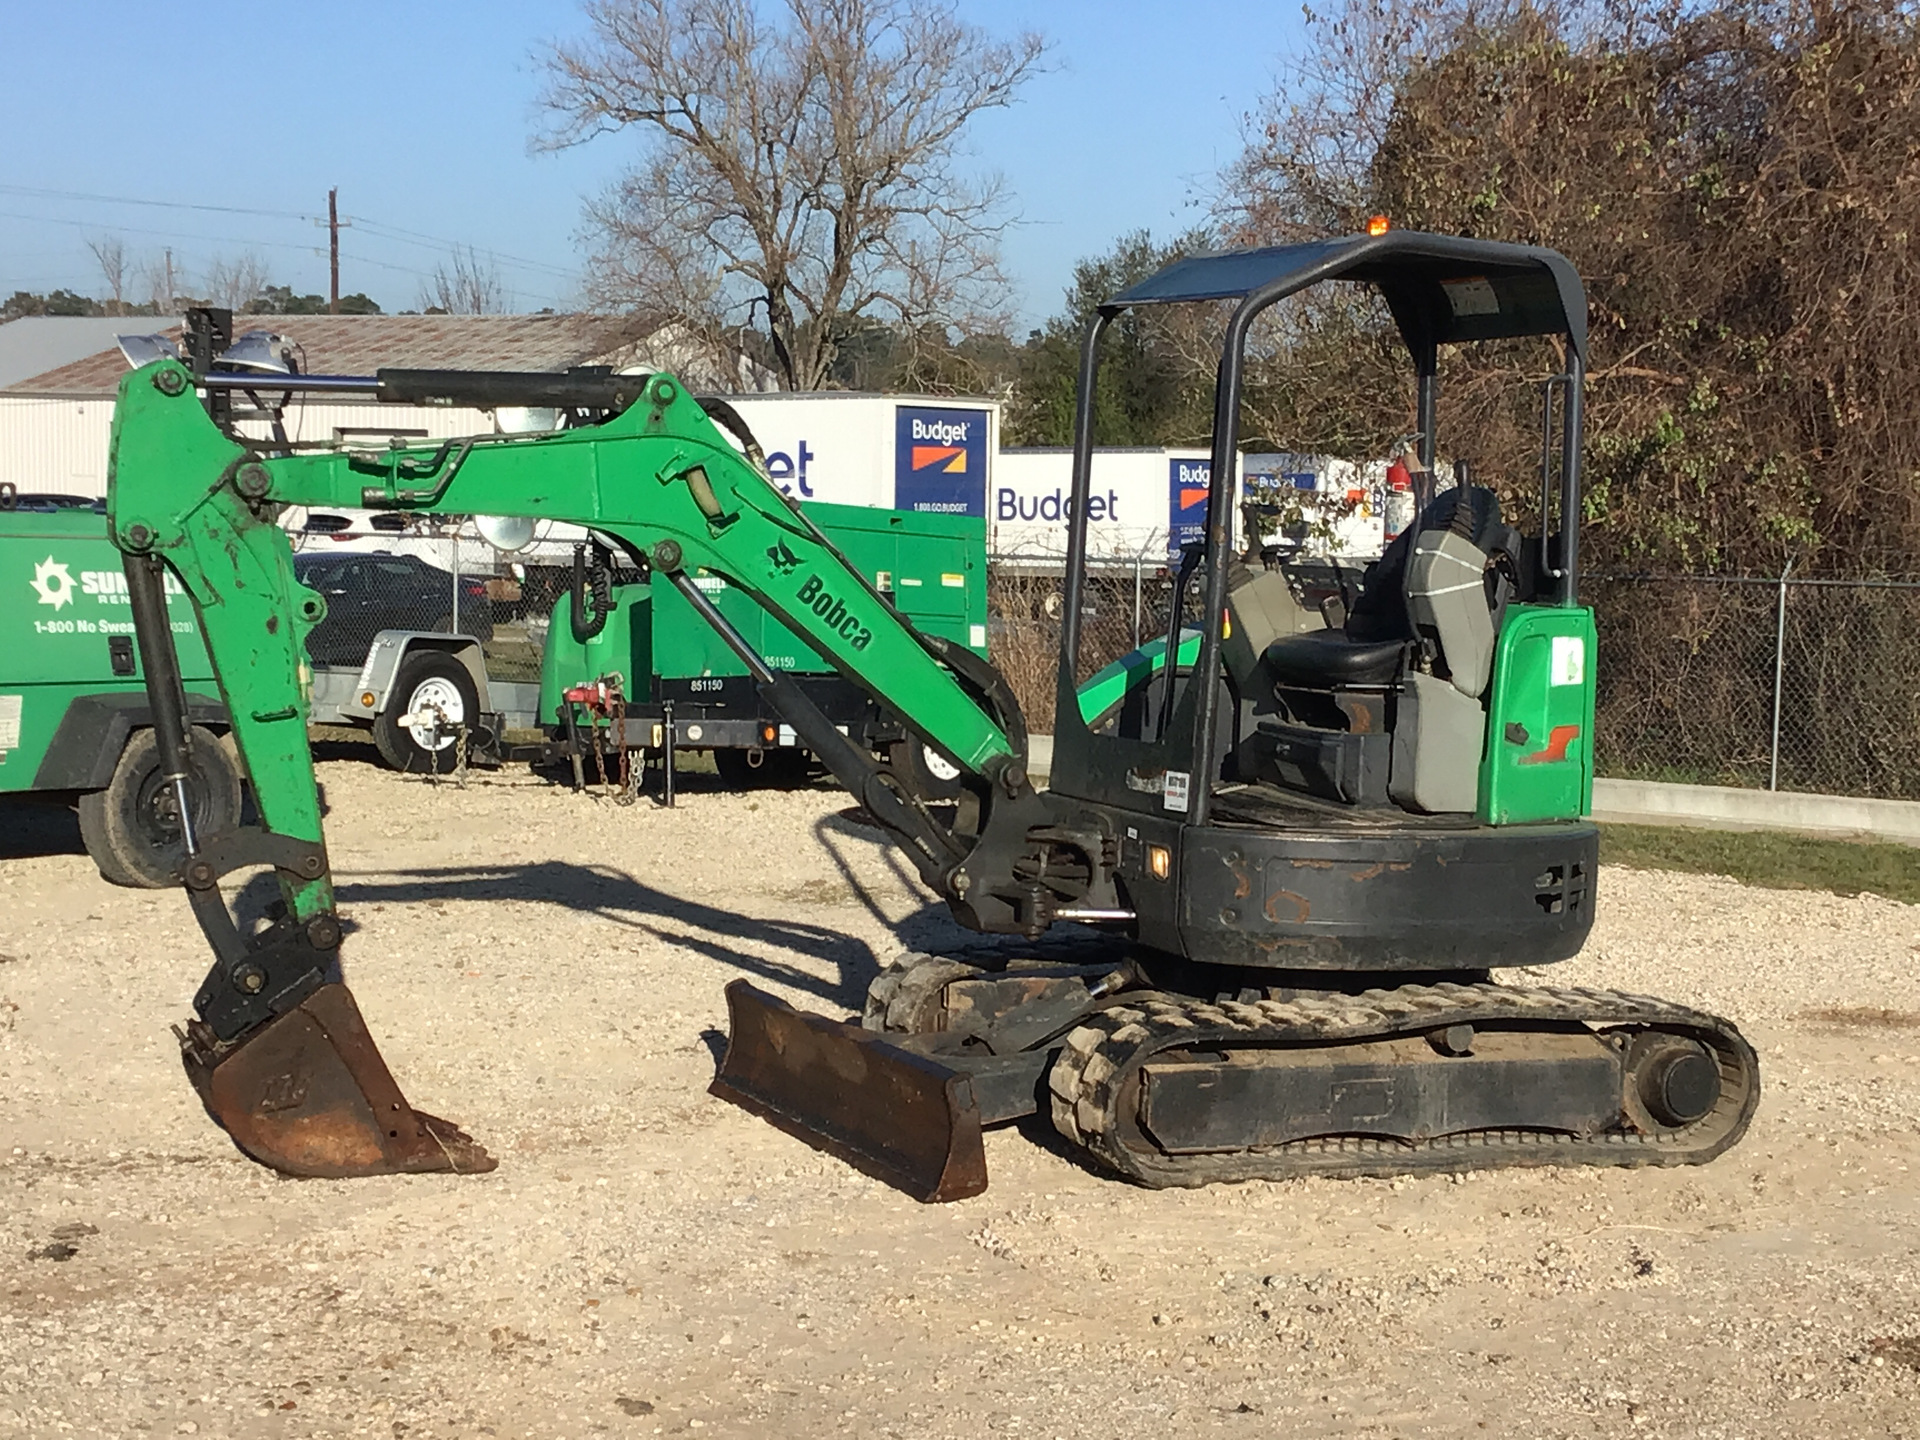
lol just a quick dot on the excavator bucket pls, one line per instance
(902, 1117)
(308, 1094)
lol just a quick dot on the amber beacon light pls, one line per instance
(1378, 225)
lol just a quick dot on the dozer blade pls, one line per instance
(308, 1094)
(904, 1118)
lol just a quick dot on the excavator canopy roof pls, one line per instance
(1443, 290)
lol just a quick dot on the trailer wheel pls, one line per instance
(923, 770)
(429, 683)
(132, 828)
(781, 768)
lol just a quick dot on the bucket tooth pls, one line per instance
(308, 1094)
(903, 1118)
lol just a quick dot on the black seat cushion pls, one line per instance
(1326, 658)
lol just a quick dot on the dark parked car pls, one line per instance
(366, 594)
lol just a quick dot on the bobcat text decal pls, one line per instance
(834, 614)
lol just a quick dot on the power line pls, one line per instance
(372, 228)
(428, 275)
(27, 190)
(410, 237)
(163, 234)
(393, 232)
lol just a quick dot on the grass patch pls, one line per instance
(1774, 859)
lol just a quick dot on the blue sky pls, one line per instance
(421, 114)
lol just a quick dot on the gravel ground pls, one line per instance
(547, 969)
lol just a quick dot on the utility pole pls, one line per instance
(333, 251)
(169, 279)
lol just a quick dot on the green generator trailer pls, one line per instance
(75, 724)
(639, 659)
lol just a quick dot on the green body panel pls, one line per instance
(1108, 686)
(934, 565)
(63, 595)
(624, 647)
(1542, 682)
(658, 472)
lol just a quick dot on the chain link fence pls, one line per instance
(434, 575)
(1784, 684)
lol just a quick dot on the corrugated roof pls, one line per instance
(362, 344)
(39, 343)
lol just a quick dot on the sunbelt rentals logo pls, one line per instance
(53, 583)
(940, 460)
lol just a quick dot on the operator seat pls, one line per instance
(1380, 639)
(1389, 708)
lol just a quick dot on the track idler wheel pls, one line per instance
(307, 1094)
(1677, 1080)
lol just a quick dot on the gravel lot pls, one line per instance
(547, 969)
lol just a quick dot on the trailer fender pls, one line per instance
(385, 656)
(87, 743)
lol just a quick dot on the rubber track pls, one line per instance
(1089, 1081)
(903, 998)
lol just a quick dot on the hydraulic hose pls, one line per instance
(597, 578)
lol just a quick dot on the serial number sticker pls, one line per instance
(1472, 296)
(1568, 663)
(10, 722)
(1174, 796)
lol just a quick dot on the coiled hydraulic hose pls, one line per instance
(589, 620)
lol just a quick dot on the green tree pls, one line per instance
(280, 300)
(1154, 387)
(1739, 183)
(23, 303)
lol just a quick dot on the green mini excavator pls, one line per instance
(1292, 848)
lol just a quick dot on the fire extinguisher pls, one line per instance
(1399, 507)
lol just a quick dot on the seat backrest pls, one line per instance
(1381, 612)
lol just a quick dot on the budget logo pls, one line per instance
(1188, 484)
(940, 460)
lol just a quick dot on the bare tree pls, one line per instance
(467, 285)
(155, 280)
(796, 179)
(111, 253)
(232, 283)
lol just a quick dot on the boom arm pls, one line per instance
(661, 478)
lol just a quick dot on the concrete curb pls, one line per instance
(1727, 807)
(1715, 806)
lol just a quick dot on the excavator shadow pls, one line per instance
(748, 944)
(34, 825)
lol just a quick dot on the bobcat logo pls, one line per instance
(783, 559)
